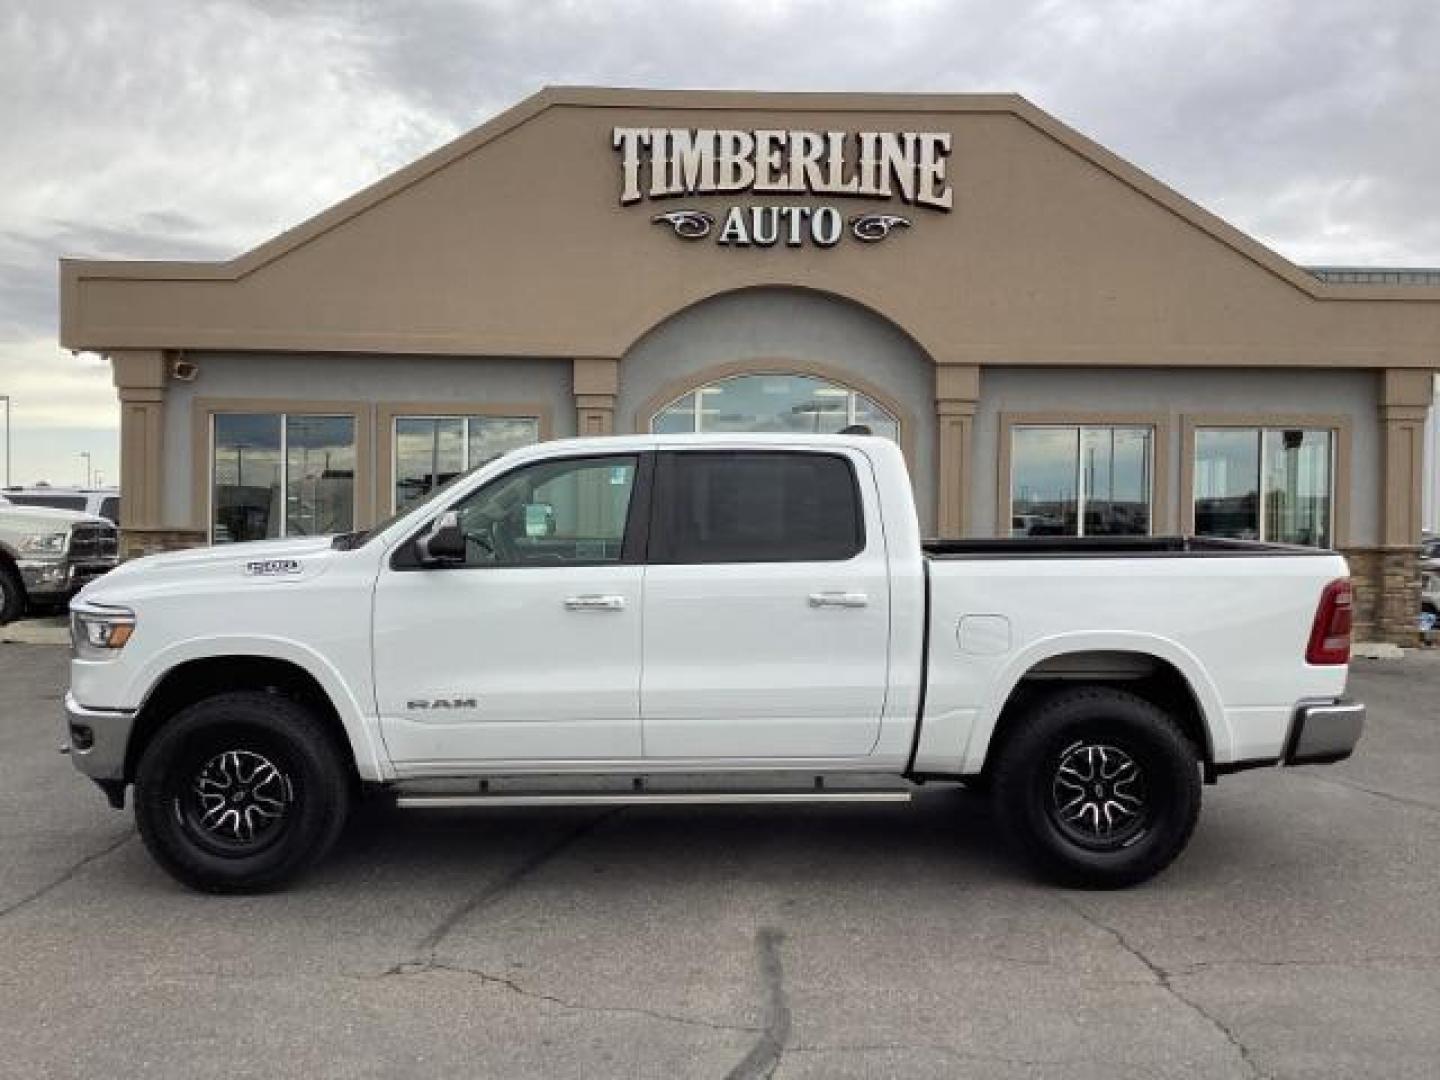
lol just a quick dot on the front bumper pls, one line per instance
(96, 739)
(1324, 731)
(58, 579)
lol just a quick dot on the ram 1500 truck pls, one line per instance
(47, 556)
(698, 619)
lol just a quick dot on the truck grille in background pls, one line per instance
(93, 542)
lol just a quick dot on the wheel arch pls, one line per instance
(1156, 669)
(189, 679)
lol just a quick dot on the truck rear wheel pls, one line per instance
(240, 793)
(1098, 788)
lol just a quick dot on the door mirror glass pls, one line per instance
(539, 520)
(443, 542)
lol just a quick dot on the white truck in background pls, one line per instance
(698, 619)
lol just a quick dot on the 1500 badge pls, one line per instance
(272, 567)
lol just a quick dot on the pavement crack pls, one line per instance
(1422, 962)
(509, 984)
(1163, 978)
(1403, 800)
(66, 875)
(425, 951)
(944, 1050)
(764, 1057)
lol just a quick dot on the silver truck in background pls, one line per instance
(47, 556)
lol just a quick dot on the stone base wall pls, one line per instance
(1387, 593)
(137, 542)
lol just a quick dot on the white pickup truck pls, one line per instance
(698, 619)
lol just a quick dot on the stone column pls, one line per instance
(597, 381)
(140, 379)
(1404, 404)
(957, 393)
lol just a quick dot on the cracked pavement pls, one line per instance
(1296, 938)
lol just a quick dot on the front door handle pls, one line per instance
(838, 599)
(594, 603)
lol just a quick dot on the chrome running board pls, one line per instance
(439, 801)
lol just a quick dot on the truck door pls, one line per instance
(767, 606)
(530, 648)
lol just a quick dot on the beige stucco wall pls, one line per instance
(511, 241)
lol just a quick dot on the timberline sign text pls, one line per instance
(668, 163)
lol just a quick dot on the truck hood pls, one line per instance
(261, 562)
(46, 517)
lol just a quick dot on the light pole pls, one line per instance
(86, 455)
(6, 398)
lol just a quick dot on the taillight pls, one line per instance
(1330, 633)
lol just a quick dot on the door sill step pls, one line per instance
(451, 801)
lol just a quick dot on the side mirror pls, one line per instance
(539, 520)
(443, 542)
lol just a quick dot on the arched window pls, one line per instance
(778, 402)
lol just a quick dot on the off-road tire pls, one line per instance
(12, 594)
(1037, 774)
(276, 752)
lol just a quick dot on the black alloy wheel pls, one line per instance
(1097, 787)
(241, 792)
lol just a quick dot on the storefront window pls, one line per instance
(1265, 484)
(430, 450)
(786, 403)
(280, 475)
(319, 475)
(1080, 481)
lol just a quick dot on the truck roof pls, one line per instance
(723, 440)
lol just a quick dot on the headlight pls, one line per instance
(49, 544)
(100, 635)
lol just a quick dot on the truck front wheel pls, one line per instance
(12, 594)
(1099, 788)
(240, 793)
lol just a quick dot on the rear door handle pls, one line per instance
(594, 603)
(838, 599)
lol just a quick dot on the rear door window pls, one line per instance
(755, 506)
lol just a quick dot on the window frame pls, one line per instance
(203, 413)
(1339, 427)
(673, 391)
(665, 463)
(387, 413)
(635, 538)
(698, 412)
(1158, 423)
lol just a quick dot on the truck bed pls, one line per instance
(1109, 547)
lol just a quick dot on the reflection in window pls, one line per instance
(431, 450)
(550, 513)
(319, 475)
(1271, 484)
(785, 403)
(277, 475)
(1080, 481)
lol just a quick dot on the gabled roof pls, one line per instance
(250, 302)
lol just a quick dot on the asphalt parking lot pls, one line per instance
(1297, 937)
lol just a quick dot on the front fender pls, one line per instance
(1009, 677)
(360, 727)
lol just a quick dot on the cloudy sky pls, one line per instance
(198, 128)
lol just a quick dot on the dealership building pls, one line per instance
(1060, 344)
